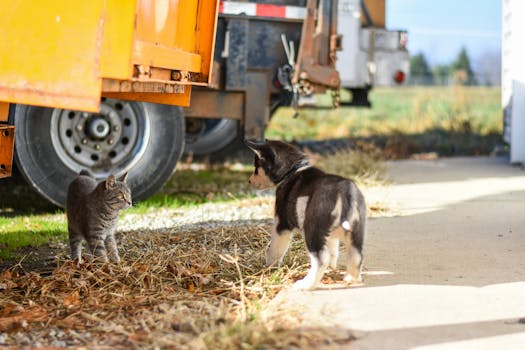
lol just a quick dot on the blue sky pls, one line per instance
(439, 28)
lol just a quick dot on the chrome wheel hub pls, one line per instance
(106, 142)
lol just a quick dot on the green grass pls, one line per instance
(26, 219)
(405, 110)
(29, 231)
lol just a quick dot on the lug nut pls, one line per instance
(176, 75)
(85, 114)
(84, 141)
(110, 141)
(97, 147)
(79, 127)
(116, 128)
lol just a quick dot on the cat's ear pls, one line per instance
(124, 177)
(110, 182)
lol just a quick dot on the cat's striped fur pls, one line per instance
(92, 214)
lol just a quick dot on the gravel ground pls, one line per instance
(204, 215)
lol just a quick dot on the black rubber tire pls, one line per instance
(48, 175)
(234, 150)
(217, 134)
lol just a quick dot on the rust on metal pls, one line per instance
(216, 104)
(216, 78)
(7, 143)
(177, 99)
(316, 59)
(159, 86)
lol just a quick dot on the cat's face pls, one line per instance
(117, 192)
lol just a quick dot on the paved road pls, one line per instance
(444, 270)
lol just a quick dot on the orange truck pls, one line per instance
(106, 85)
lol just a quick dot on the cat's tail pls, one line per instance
(85, 172)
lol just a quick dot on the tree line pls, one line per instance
(458, 72)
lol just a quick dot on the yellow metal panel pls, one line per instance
(186, 21)
(169, 23)
(4, 111)
(150, 54)
(165, 35)
(50, 54)
(118, 39)
(206, 28)
(169, 99)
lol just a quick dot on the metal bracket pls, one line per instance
(7, 143)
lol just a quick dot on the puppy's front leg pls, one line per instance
(279, 243)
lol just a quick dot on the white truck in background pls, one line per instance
(371, 55)
(513, 78)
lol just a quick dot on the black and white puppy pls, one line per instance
(326, 208)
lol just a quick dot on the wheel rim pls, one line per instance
(109, 141)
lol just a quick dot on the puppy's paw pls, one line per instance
(349, 279)
(304, 284)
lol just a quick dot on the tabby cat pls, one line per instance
(92, 214)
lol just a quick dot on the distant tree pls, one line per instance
(488, 68)
(420, 73)
(442, 74)
(462, 69)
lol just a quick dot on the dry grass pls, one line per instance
(201, 288)
(196, 286)
(363, 164)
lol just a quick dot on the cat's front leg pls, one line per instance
(112, 249)
(75, 242)
(97, 247)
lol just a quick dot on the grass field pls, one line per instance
(405, 110)
(449, 121)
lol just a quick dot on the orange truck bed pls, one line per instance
(68, 54)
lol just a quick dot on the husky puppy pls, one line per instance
(326, 208)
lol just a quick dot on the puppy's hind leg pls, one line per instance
(279, 243)
(353, 267)
(333, 249)
(354, 240)
(318, 264)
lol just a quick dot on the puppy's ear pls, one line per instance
(256, 147)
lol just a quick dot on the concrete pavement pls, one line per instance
(444, 269)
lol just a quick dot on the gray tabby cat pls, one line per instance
(92, 214)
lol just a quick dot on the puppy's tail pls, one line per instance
(353, 215)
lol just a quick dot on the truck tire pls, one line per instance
(216, 141)
(206, 136)
(53, 145)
